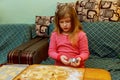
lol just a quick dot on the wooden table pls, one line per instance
(96, 74)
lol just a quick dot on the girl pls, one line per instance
(68, 42)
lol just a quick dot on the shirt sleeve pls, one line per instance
(83, 47)
(52, 52)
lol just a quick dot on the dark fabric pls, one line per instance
(104, 38)
(104, 45)
(12, 35)
(50, 29)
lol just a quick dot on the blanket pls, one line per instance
(11, 36)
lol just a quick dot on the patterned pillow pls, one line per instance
(87, 10)
(118, 11)
(42, 23)
(59, 4)
(109, 11)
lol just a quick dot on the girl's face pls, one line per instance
(65, 24)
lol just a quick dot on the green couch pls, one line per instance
(12, 35)
(104, 43)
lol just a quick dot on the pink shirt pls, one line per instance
(60, 45)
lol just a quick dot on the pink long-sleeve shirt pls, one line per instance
(61, 45)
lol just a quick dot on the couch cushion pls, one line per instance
(104, 38)
(105, 63)
(51, 28)
(42, 23)
(110, 64)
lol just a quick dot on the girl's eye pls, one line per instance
(68, 21)
(61, 21)
(65, 21)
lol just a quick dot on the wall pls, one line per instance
(24, 11)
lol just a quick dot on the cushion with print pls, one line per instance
(109, 11)
(42, 23)
(59, 4)
(87, 10)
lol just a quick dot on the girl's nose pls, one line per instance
(64, 24)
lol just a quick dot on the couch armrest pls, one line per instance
(43, 49)
(31, 52)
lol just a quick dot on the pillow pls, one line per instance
(42, 23)
(118, 11)
(109, 11)
(59, 4)
(87, 10)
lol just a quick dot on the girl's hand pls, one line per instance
(76, 63)
(64, 60)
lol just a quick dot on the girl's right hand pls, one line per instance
(64, 59)
(76, 63)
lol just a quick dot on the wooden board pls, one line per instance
(51, 72)
(8, 72)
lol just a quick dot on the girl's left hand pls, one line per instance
(77, 63)
(64, 60)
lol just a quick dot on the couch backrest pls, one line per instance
(87, 11)
(104, 38)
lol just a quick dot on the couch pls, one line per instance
(13, 35)
(104, 43)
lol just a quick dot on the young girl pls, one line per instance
(68, 42)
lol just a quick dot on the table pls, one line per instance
(89, 73)
(96, 74)
(13, 71)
